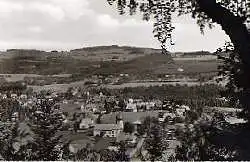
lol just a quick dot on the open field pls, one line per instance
(60, 70)
(102, 60)
(152, 84)
(21, 77)
(60, 88)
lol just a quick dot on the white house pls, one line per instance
(86, 123)
(182, 110)
(180, 69)
(150, 105)
(65, 102)
(23, 96)
(89, 107)
(13, 95)
(163, 115)
(4, 96)
(131, 107)
(187, 108)
(113, 148)
(109, 130)
(128, 138)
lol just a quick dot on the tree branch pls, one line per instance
(233, 26)
(236, 29)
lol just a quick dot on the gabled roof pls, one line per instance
(137, 122)
(103, 143)
(107, 127)
(80, 144)
(70, 107)
(129, 116)
(124, 136)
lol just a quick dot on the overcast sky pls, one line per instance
(69, 24)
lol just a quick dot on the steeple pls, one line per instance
(119, 121)
(118, 118)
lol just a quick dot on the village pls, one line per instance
(124, 80)
(102, 122)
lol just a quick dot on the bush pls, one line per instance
(128, 127)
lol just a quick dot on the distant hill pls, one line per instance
(112, 53)
(116, 49)
(102, 60)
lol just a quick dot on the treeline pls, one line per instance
(12, 87)
(194, 96)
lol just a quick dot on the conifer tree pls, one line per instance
(46, 123)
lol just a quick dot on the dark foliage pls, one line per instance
(128, 127)
(155, 143)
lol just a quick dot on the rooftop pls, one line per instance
(104, 143)
(128, 116)
(70, 107)
(124, 137)
(107, 127)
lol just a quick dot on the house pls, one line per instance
(163, 115)
(157, 103)
(75, 91)
(181, 110)
(15, 116)
(65, 102)
(89, 107)
(131, 107)
(109, 130)
(86, 123)
(13, 95)
(77, 141)
(130, 100)
(180, 69)
(130, 117)
(187, 108)
(23, 96)
(105, 143)
(4, 96)
(113, 148)
(133, 104)
(70, 108)
(147, 105)
(234, 120)
(130, 139)
(77, 145)
(150, 105)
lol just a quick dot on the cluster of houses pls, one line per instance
(135, 105)
(13, 96)
(109, 127)
(89, 124)
(104, 130)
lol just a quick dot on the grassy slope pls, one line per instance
(100, 60)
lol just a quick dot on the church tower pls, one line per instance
(119, 121)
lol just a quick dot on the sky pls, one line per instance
(70, 24)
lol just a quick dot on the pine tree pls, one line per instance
(14, 139)
(155, 144)
(45, 124)
(121, 154)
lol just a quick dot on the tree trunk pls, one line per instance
(235, 28)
